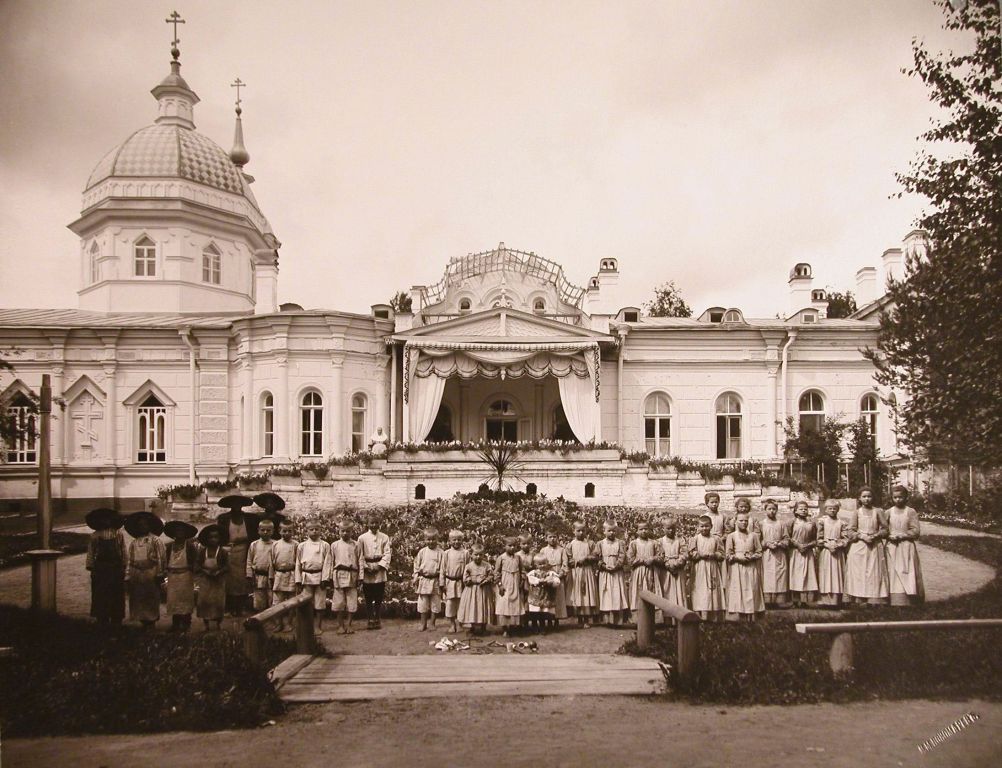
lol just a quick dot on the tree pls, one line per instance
(940, 343)
(820, 450)
(401, 302)
(840, 303)
(667, 302)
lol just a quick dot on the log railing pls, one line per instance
(840, 657)
(255, 630)
(687, 624)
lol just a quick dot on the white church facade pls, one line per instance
(179, 365)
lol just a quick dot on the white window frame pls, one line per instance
(24, 448)
(212, 265)
(144, 252)
(656, 417)
(95, 268)
(311, 424)
(814, 413)
(362, 412)
(871, 415)
(151, 426)
(267, 424)
(728, 407)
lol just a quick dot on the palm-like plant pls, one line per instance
(502, 458)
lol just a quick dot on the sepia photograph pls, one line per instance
(534, 382)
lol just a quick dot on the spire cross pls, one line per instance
(238, 84)
(175, 19)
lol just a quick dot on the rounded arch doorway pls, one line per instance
(501, 420)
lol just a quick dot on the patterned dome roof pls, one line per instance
(163, 150)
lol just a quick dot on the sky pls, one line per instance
(711, 143)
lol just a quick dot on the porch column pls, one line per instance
(538, 413)
(406, 386)
(771, 444)
(464, 410)
(392, 430)
(381, 411)
(620, 360)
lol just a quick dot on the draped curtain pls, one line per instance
(425, 400)
(577, 395)
(506, 364)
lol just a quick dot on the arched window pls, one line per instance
(144, 258)
(501, 424)
(728, 410)
(311, 412)
(267, 424)
(868, 410)
(539, 306)
(531, 489)
(22, 444)
(212, 261)
(465, 306)
(419, 491)
(151, 431)
(812, 411)
(657, 424)
(589, 490)
(359, 412)
(95, 268)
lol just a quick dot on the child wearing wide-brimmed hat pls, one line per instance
(211, 566)
(145, 567)
(182, 553)
(106, 563)
(237, 529)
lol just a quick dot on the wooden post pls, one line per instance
(688, 647)
(254, 642)
(645, 625)
(305, 640)
(840, 657)
(44, 475)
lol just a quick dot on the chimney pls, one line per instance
(608, 282)
(916, 244)
(866, 285)
(265, 281)
(800, 288)
(893, 264)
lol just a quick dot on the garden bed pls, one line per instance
(768, 662)
(70, 676)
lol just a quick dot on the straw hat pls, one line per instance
(101, 518)
(270, 502)
(179, 529)
(235, 503)
(156, 525)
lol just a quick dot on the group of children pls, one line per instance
(732, 568)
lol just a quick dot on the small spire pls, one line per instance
(239, 154)
(177, 100)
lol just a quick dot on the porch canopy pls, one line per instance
(572, 357)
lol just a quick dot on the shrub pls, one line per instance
(184, 491)
(284, 470)
(71, 676)
(318, 468)
(219, 486)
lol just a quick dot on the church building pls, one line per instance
(178, 364)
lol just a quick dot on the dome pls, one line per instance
(171, 151)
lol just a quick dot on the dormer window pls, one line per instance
(733, 316)
(717, 316)
(631, 316)
(212, 262)
(809, 317)
(144, 258)
(539, 306)
(465, 306)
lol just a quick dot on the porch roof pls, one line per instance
(499, 328)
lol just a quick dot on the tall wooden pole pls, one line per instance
(44, 473)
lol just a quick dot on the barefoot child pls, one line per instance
(346, 572)
(427, 568)
(525, 554)
(674, 555)
(260, 565)
(775, 568)
(511, 602)
(451, 576)
(181, 555)
(831, 546)
(106, 563)
(706, 552)
(211, 566)
(375, 546)
(557, 557)
(476, 606)
(745, 601)
(582, 581)
(145, 566)
(803, 572)
(643, 555)
(283, 586)
(613, 597)
(543, 585)
(904, 569)
(865, 561)
(313, 570)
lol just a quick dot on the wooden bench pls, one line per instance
(255, 630)
(841, 656)
(688, 629)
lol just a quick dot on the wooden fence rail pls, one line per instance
(688, 629)
(255, 631)
(840, 658)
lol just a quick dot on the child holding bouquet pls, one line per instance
(476, 606)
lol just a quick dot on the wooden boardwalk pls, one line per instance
(351, 678)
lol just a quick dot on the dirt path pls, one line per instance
(557, 731)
